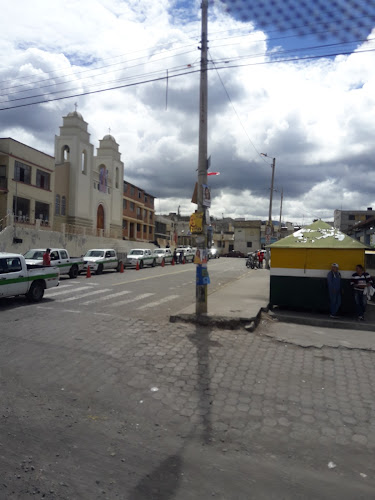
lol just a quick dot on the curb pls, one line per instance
(324, 323)
(223, 322)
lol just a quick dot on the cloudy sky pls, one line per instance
(270, 91)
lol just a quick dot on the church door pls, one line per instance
(100, 218)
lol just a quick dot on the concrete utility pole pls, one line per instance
(269, 226)
(201, 290)
(281, 211)
(271, 192)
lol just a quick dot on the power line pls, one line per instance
(92, 76)
(176, 68)
(148, 74)
(336, 30)
(235, 111)
(105, 66)
(99, 83)
(227, 66)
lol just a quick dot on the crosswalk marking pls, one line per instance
(77, 297)
(129, 301)
(61, 291)
(158, 302)
(106, 297)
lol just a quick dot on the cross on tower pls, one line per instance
(75, 106)
(109, 130)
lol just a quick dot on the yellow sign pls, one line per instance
(196, 223)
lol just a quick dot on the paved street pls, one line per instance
(107, 399)
(150, 292)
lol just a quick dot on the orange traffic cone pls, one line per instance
(122, 267)
(162, 263)
(137, 266)
(173, 262)
(88, 274)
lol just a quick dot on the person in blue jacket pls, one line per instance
(334, 290)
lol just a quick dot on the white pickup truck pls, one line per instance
(163, 255)
(101, 259)
(59, 258)
(143, 256)
(186, 253)
(18, 278)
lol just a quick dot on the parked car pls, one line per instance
(59, 258)
(187, 253)
(163, 254)
(143, 256)
(234, 253)
(99, 260)
(19, 278)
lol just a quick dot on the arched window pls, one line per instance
(116, 177)
(63, 205)
(65, 153)
(103, 179)
(57, 205)
(84, 162)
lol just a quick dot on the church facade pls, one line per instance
(88, 187)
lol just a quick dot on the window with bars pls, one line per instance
(42, 179)
(22, 172)
(63, 205)
(57, 204)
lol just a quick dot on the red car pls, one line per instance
(234, 253)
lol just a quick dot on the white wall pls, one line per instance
(76, 245)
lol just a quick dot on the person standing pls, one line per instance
(334, 290)
(175, 256)
(261, 257)
(360, 281)
(47, 257)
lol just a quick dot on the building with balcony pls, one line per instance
(27, 178)
(138, 214)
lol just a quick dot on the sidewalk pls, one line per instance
(239, 303)
(323, 320)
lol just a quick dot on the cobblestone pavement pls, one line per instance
(105, 407)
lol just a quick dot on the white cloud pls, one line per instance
(315, 117)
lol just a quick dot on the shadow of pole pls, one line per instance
(163, 482)
(202, 341)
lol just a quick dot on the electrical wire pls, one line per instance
(218, 61)
(91, 77)
(129, 78)
(234, 109)
(293, 59)
(101, 67)
(172, 49)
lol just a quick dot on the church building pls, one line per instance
(88, 187)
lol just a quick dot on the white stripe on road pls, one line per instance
(61, 291)
(107, 297)
(77, 297)
(158, 302)
(134, 299)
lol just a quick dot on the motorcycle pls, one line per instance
(251, 262)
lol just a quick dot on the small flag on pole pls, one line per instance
(213, 173)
